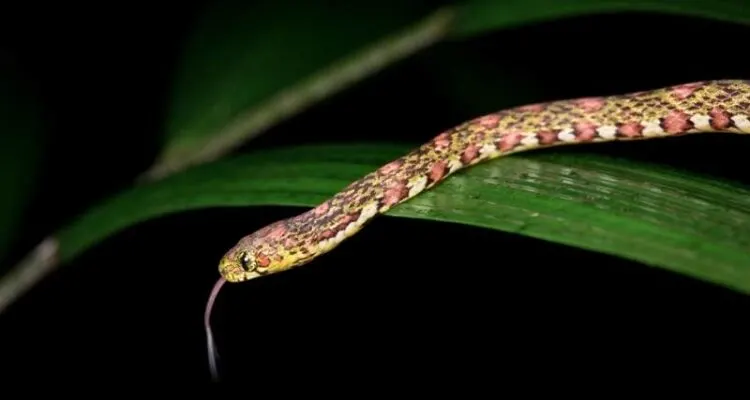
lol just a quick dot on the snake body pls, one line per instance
(698, 107)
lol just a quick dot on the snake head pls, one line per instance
(269, 250)
(240, 264)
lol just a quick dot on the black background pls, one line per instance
(401, 298)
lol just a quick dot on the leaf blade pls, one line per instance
(478, 16)
(626, 209)
(209, 121)
(262, 83)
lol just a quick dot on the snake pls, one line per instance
(696, 107)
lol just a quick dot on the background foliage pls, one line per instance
(148, 157)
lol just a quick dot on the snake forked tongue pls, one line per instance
(213, 355)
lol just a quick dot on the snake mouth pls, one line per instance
(246, 276)
(238, 275)
(233, 272)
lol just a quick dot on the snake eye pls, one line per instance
(245, 261)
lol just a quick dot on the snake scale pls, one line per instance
(697, 107)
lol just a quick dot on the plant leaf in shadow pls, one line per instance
(670, 219)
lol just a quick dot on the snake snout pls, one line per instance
(233, 271)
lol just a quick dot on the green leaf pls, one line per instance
(479, 16)
(20, 135)
(248, 67)
(670, 219)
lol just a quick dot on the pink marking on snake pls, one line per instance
(442, 141)
(345, 220)
(321, 209)
(630, 129)
(489, 121)
(585, 130)
(437, 172)
(684, 91)
(548, 136)
(277, 232)
(509, 141)
(636, 94)
(394, 193)
(391, 166)
(471, 153)
(532, 107)
(720, 119)
(677, 122)
(262, 260)
(590, 104)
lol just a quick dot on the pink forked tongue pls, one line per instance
(213, 355)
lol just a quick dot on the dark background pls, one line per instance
(402, 296)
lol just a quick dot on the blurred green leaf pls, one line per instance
(248, 66)
(245, 69)
(670, 219)
(20, 135)
(478, 16)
